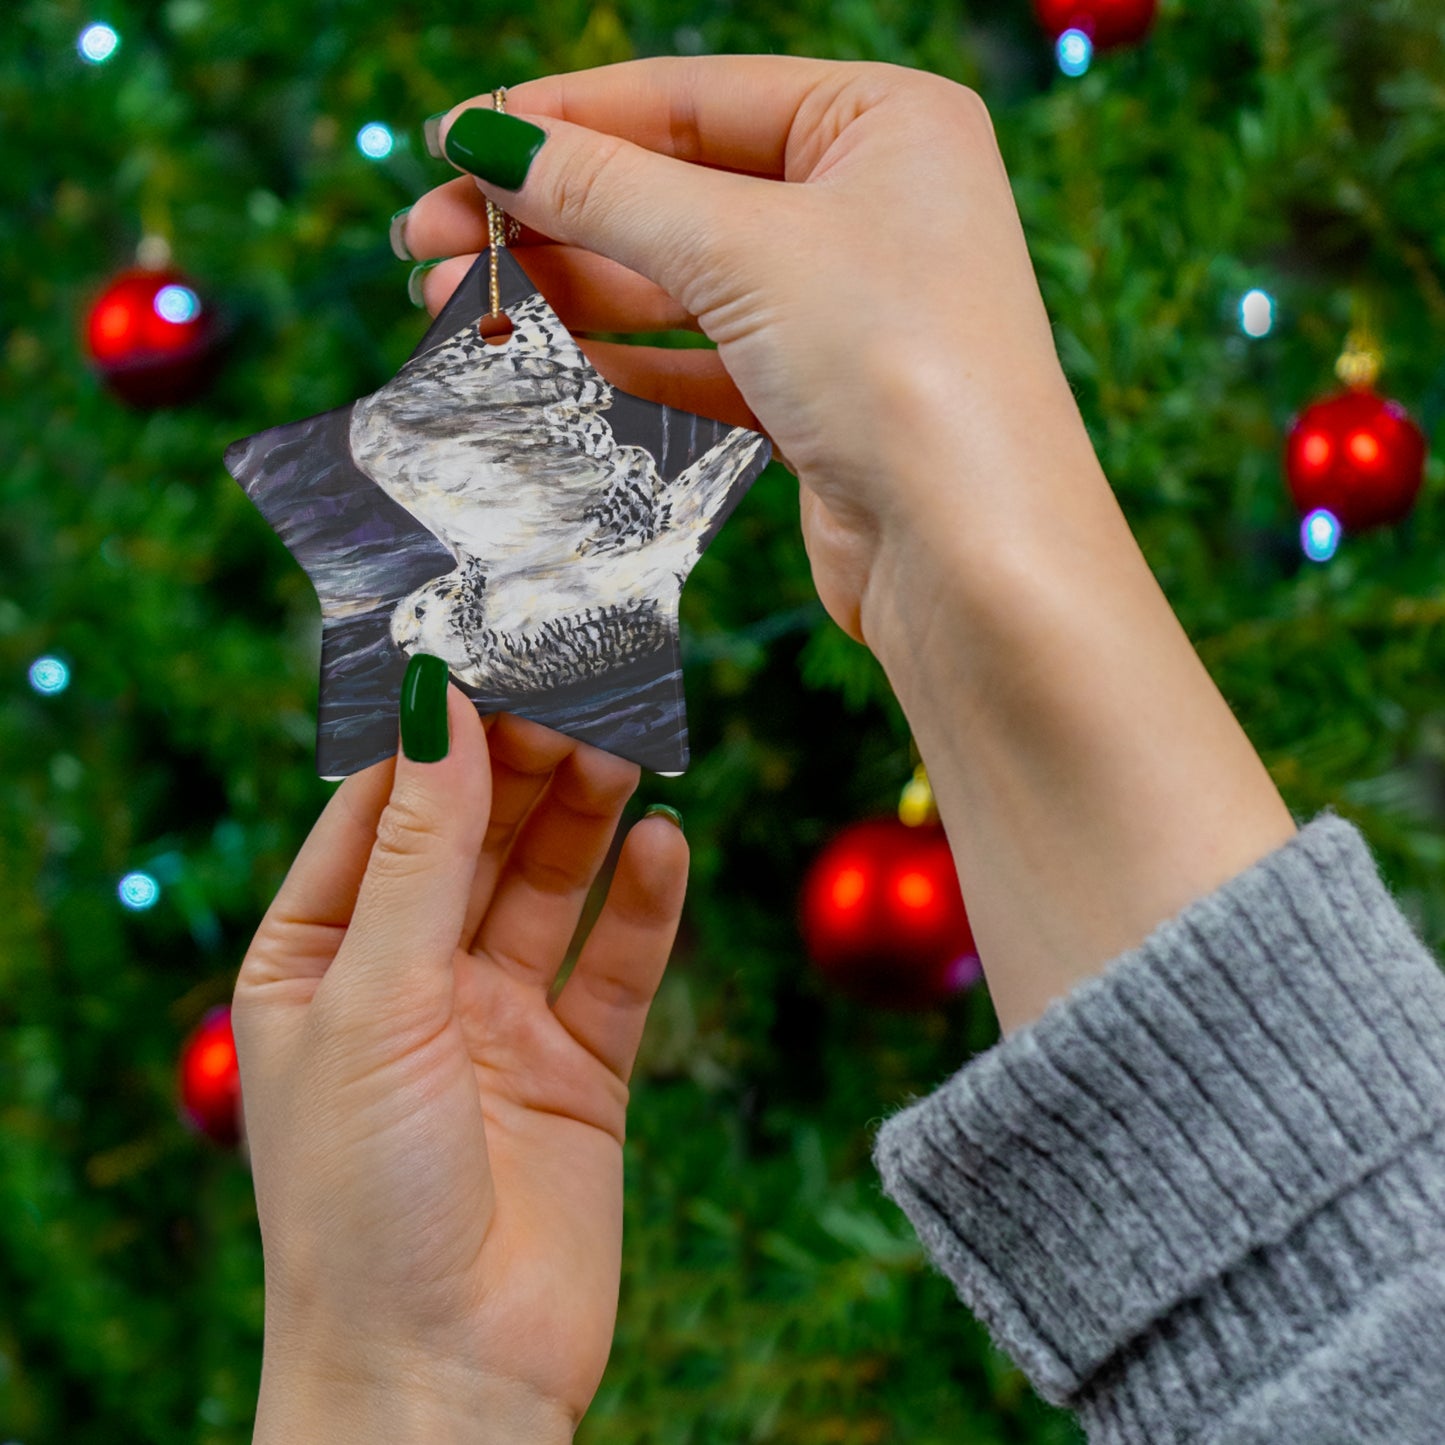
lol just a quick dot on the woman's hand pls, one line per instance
(847, 235)
(437, 1148)
(879, 317)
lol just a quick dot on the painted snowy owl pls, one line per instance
(571, 550)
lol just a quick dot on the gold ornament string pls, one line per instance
(496, 222)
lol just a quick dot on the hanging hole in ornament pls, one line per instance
(495, 329)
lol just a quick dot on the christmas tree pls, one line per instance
(158, 663)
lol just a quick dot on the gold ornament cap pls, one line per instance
(1360, 362)
(916, 806)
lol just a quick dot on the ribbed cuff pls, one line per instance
(1157, 1136)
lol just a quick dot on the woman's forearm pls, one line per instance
(1092, 779)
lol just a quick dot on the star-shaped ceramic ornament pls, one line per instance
(505, 508)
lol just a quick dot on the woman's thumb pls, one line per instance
(663, 218)
(407, 923)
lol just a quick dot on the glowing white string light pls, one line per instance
(97, 43)
(375, 141)
(1075, 52)
(1320, 535)
(1256, 313)
(49, 675)
(138, 891)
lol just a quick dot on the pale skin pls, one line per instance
(848, 237)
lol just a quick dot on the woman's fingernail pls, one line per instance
(413, 282)
(671, 814)
(424, 734)
(431, 133)
(397, 234)
(499, 148)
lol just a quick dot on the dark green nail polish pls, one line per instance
(397, 234)
(671, 814)
(498, 148)
(413, 282)
(431, 133)
(424, 734)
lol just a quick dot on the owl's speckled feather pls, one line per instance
(571, 550)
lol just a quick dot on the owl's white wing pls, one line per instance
(503, 451)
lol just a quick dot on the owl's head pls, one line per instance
(441, 617)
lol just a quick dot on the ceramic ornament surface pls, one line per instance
(506, 509)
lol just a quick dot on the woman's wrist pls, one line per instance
(1092, 779)
(407, 1400)
(976, 506)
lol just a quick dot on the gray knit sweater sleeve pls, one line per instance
(1202, 1199)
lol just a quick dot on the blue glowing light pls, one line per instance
(177, 304)
(1320, 535)
(97, 43)
(1075, 52)
(138, 891)
(1256, 313)
(49, 675)
(375, 140)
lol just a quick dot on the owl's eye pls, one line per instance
(420, 611)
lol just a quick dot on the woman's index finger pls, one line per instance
(735, 112)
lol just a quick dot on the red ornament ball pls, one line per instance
(1359, 456)
(883, 917)
(210, 1080)
(152, 338)
(1107, 23)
